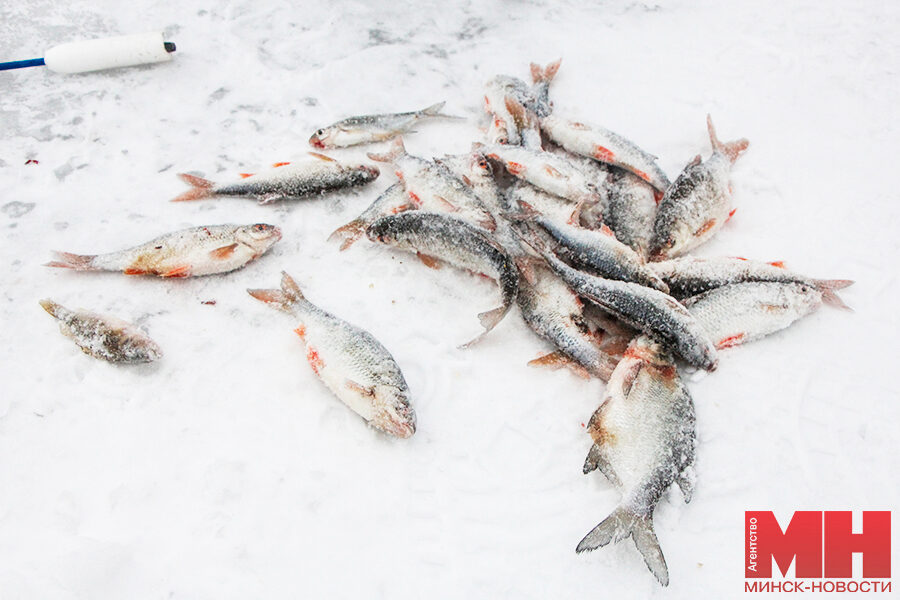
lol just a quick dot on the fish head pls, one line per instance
(805, 298)
(393, 411)
(322, 138)
(479, 165)
(260, 236)
(383, 230)
(365, 173)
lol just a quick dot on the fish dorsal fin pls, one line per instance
(321, 157)
(778, 263)
(281, 164)
(245, 175)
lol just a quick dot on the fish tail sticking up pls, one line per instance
(622, 523)
(435, 111)
(730, 149)
(397, 150)
(349, 233)
(200, 188)
(828, 287)
(287, 296)
(545, 74)
(489, 320)
(78, 262)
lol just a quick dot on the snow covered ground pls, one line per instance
(228, 471)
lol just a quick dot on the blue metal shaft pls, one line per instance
(21, 64)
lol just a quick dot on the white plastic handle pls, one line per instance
(107, 53)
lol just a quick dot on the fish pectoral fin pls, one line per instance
(705, 228)
(557, 360)
(269, 198)
(360, 389)
(630, 377)
(447, 204)
(281, 164)
(429, 261)
(179, 271)
(685, 481)
(320, 157)
(596, 460)
(224, 252)
(245, 175)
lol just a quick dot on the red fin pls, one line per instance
(515, 168)
(730, 341)
(557, 360)
(223, 252)
(133, 271)
(828, 286)
(705, 228)
(447, 204)
(78, 262)
(314, 155)
(776, 263)
(552, 172)
(730, 149)
(348, 233)
(397, 150)
(414, 198)
(429, 261)
(245, 175)
(606, 155)
(315, 361)
(739, 257)
(301, 331)
(730, 214)
(182, 271)
(604, 229)
(281, 164)
(200, 188)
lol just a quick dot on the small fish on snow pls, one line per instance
(372, 128)
(186, 253)
(349, 361)
(103, 336)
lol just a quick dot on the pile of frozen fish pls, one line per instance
(578, 227)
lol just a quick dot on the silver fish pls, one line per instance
(644, 440)
(435, 236)
(630, 210)
(284, 181)
(554, 312)
(605, 146)
(433, 187)
(372, 128)
(649, 310)
(392, 201)
(186, 253)
(596, 251)
(688, 276)
(738, 313)
(349, 361)
(698, 204)
(102, 336)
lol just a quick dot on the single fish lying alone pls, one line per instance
(102, 336)
(186, 253)
(605, 146)
(631, 210)
(284, 181)
(649, 310)
(688, 276)
(433, 187)
(738, 313)
(644, 440)
(435, 236)
(349, 361)
(596, 251)
(392, 201)
(554, 312)
(548, 171)
(696, 206)
(372, 128)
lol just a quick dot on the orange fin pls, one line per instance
(223, 252)
(558, 360)
(245, 175)
(429, 261)
(200, 188)
(182, 271)
(552, 172)
(606, 155)
(777, 263)
(78, 262)
(730, 341)
(447, 204)
(319, 156)
(730, 149)
(315, 361)
(705, 228)
(515, 168)
(301, 331)
(281, 164)
(133, 271)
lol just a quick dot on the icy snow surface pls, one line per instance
(227, 470)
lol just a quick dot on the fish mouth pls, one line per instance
(316, 143)
(276, 233)
(400, 429)
(371, 170)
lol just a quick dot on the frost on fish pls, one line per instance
(315, 175)
(392, 201)
(630, 210)
(102, 336)
(435, 237)
(738, 313)
(688, 276)
(433, 187)
(698, 204)
(372, 128)
(514, 107)
(605, 146)
(644, 440)
(349, 361)
(187, 253)
(554, 312)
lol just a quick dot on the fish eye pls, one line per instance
(320, 132)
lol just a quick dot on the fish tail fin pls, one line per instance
(51, 307)
(488, 320)
(78, 262)
(349, 233)
(435, 111)
(288, 295)
(730, 149)
(526, 213)
(200, 188)
(828, 287)
(623, 522)
(544, 74)
(397, 150)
